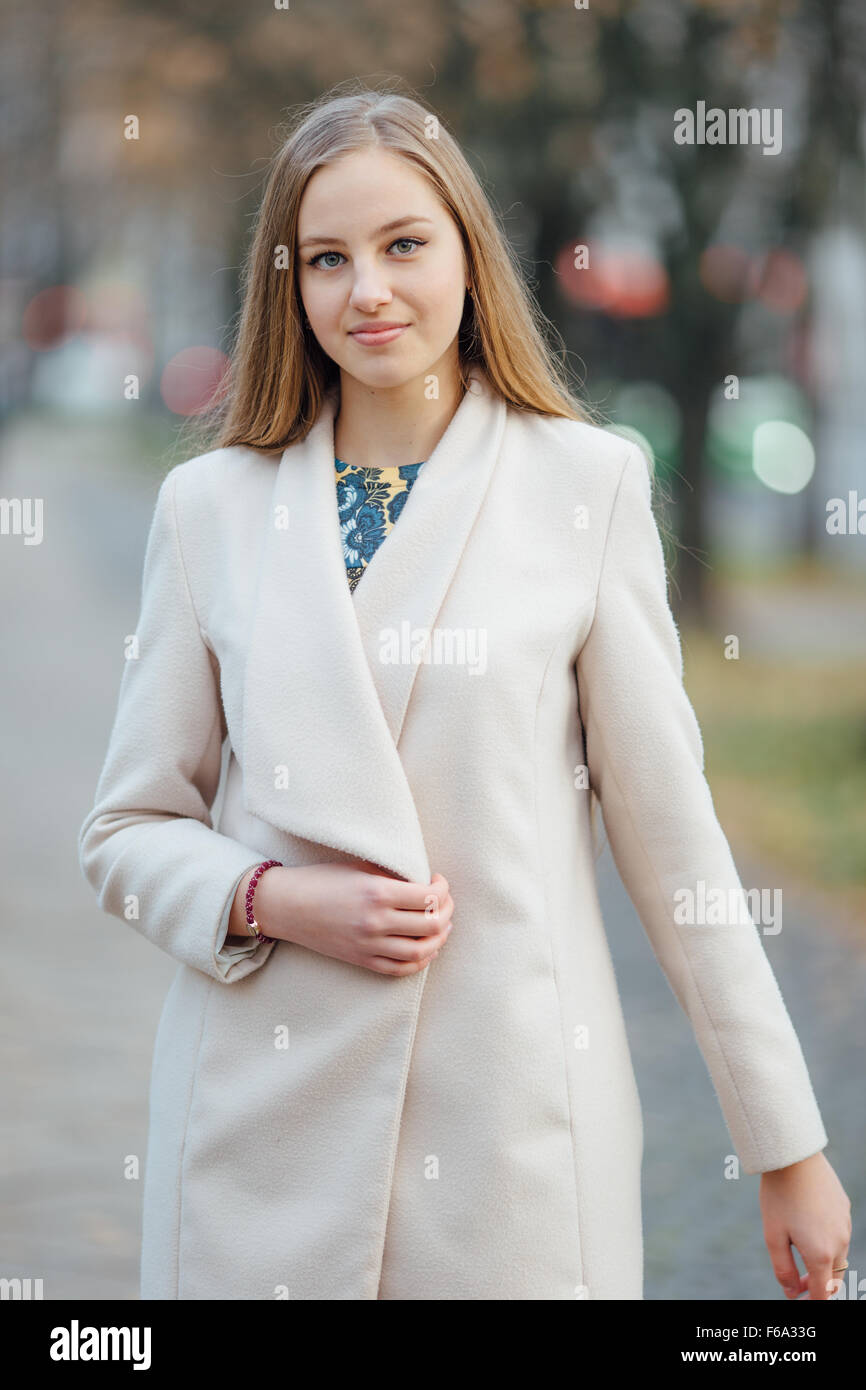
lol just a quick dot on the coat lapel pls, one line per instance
(323, 712)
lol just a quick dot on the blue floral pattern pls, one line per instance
(369, 502)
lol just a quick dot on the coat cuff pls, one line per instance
(230, 957)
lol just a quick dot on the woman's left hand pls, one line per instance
(806, 1205)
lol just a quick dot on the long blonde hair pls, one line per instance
(272, 394)
(279, 374)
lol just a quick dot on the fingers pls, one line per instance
(412, 948)
(819, 1278)
(408, 937)
(824, 1274)
(397, 922)
(828, 1277)
(404, 955)
(408, 909)
(383, 966)
(405, 896)
(785, 1266)
(820, 1272)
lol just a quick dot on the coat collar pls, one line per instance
(322, 713)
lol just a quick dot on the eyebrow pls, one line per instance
(388, 227)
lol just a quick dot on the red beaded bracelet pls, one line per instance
(253, 925)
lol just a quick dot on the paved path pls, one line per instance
(797, 621)
(703, 1233)
(81, 993)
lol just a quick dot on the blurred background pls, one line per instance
(717, 312)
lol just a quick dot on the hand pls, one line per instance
(365, 916)
(806, 1205)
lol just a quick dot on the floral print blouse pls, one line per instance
(369, 501)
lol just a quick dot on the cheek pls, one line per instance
(442, 290)
(320, 305)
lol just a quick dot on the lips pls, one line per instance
(373, 335)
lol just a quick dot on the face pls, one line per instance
(375, 247)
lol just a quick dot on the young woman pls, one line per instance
(420, 601)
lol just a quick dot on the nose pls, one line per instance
(370, 287)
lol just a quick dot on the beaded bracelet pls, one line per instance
(252, 924)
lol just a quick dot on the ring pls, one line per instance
(838, 1269)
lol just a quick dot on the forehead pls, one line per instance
(363, 190)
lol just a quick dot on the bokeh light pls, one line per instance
(777, 277)
(191, 379)
(732, 423)
(727, 273)
(624, 281)
(650, 409)
(783, 456)
(782, 282)
(55, 313)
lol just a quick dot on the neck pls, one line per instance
(377, 428)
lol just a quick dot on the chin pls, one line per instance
(384, 376)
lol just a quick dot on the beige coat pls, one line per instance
(472, 1131)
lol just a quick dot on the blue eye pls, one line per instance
(315, 259)
(410, 241)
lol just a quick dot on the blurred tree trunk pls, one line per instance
(689, 590)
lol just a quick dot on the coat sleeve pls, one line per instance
(645, 760)
(148, 846)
